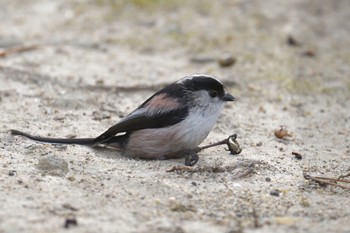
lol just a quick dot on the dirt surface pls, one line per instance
(74, 68)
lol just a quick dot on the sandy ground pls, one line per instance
(91, 62)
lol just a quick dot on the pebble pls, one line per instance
(12, 173)
(275, 193)
(227, 60)
(70, 222)
(281, 133)
(297, 155)
(292, 41)
(309, 53)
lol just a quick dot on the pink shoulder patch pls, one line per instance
(162, 102)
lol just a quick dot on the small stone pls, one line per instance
(12, 173)
(275, 193)
(268, 179)
(297, 155)
(292, 41)
(227, 60)
(259, 144)
(282, 132)
(70, 222)
(309, 53)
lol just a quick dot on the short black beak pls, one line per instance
(228, 97)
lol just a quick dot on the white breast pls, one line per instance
(195, 128)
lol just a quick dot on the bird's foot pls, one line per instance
(191, 157)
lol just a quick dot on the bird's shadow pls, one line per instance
(107, 152)
(115, 153)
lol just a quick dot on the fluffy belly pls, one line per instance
(168, 142)
(157, 144)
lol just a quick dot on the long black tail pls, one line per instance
(78, 141)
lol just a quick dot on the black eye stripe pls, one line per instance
(213, 93)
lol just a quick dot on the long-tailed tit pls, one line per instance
(169, 124)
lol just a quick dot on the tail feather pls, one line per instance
(78, 141)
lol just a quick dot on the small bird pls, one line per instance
(169, 124)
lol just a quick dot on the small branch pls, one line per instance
(18, 49)
(243, 169)
(231, 142)
(181, 169)
(246, 172)
(328, 181)
(343, 176)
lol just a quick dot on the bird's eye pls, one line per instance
(213, 93)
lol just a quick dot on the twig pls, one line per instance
(18, 49)
(231, 142)
(343, 176)
(246, 172)
(332, 179)
(244, 169)
(181, 168)
(328, 181)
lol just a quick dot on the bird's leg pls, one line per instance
(191, 157)
(231, 142)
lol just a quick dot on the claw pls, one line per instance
(233, 137)
(191, 158)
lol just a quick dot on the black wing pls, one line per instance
(140, 120)
(165, 108)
